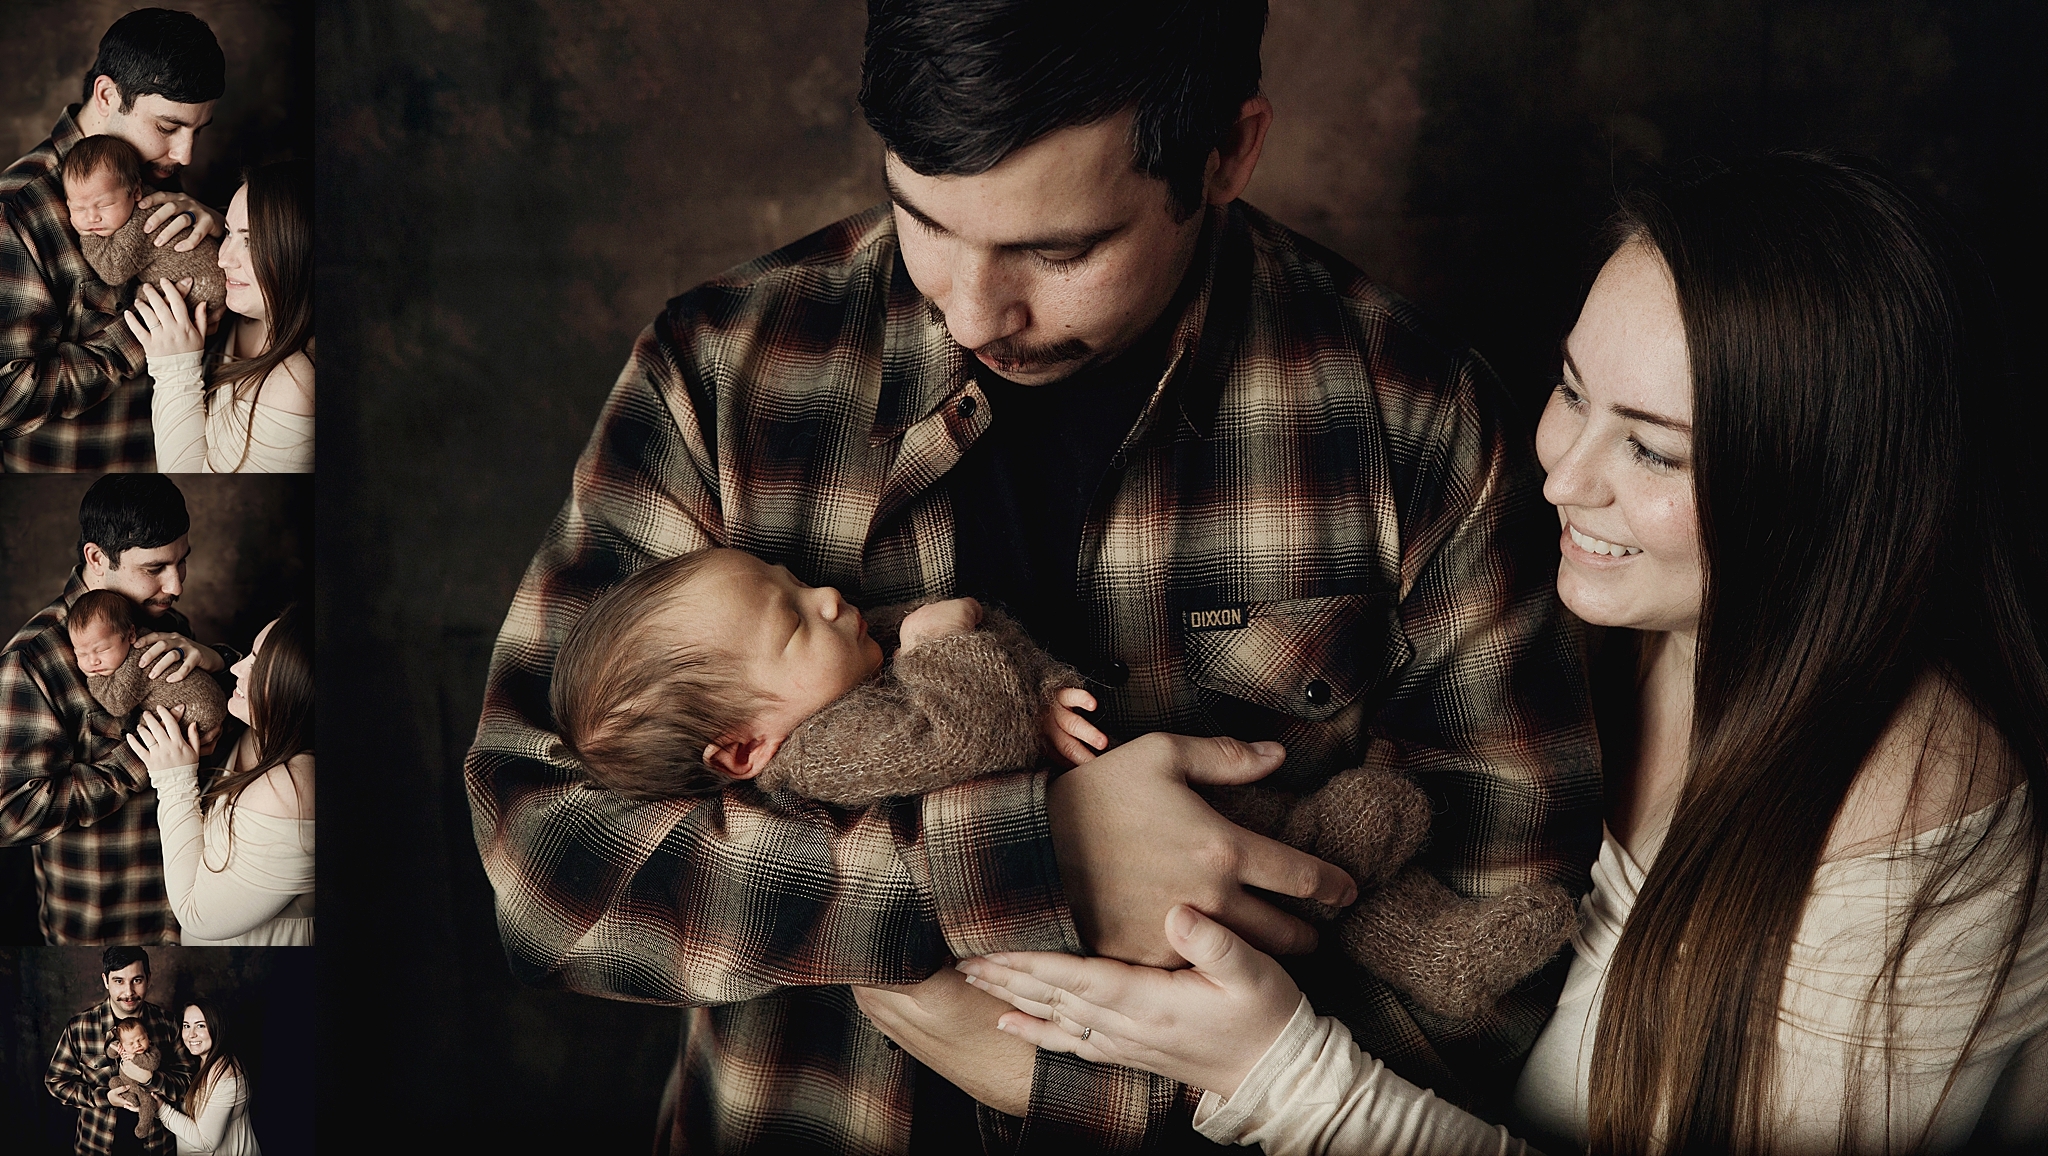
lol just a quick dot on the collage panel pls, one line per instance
(156, 296)
(160, 1050)
(156, 710)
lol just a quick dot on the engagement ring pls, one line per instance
(1086, 1032)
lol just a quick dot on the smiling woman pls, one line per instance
(1817, 920)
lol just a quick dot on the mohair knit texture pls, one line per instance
(948, 710)
(1455, 957)
(148, 1061)
(129, 252)
(128, 687)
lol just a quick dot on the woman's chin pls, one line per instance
(238, 711)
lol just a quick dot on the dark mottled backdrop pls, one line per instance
(252, 552)
(265, 115)
(263, 992)
(509, 192)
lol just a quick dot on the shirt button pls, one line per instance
(1118, 461)
(1114, 674)
(1318, 692)
(967, 407)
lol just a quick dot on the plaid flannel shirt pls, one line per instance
(69, 785)
(1319, 531)
(73, 389)
(84, 1066)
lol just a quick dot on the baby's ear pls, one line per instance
(742, 758)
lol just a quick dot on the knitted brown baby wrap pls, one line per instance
(129, 253)
(145, 1110)
(950, 709)
(1455, 957)
(128, 687)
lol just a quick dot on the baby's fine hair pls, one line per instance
(637, 705)
(103, 153)
(97, 608)
(132, 1024)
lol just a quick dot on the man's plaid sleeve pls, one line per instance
(42, 375)
(43, 789)
(67, 1078)
(705, 901)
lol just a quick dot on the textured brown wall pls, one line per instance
(252, 548)
(262, 989)
(265, 115)
(510, 191)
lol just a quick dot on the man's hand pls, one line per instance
(1132, 840)
(937, 620)
(139, 1075)
(170, 219)
(951, 1028)
(125, 1097)
(174, 653)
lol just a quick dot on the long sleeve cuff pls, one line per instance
(995, 884)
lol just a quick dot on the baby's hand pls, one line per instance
(1074, 738)
(938, 620)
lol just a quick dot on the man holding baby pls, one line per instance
(1250, 494)
(69, 783)
(72, 391)
(104, 1043)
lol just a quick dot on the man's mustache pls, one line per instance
(1009, 353)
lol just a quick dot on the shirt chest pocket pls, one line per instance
(1309, 658)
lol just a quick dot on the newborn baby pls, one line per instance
(132, 1043)
(102, 183)
(102, 628)
(716, 667)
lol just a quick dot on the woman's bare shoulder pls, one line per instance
(1939, 759)
(284, 792)
(289, 385)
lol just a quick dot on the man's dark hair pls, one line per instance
(114, 959)
(155, 51)
(954, 86)
(131, 511)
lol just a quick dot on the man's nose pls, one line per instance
(171, 584)
(985, 304)
(181, 149)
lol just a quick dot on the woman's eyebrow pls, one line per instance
(1627, 411)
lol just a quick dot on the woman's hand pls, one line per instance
(177, 213)
(1204, 1026)
(160, 743)
(163, 325)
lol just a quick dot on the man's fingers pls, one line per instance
(1226, 760)
(1266, 927)
(1274, 866)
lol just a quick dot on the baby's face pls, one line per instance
(99, 203)
(101, 647)
(805, 645)
(130, 1044)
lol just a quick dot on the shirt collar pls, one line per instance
(67, 132)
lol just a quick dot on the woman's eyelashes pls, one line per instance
(1660, 461)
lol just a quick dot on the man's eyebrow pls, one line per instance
(181, 122)
(1074, 239)
(1627, 411)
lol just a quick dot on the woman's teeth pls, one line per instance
(1593, 545)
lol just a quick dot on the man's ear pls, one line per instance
(96, 561)
(1230, 166)
(106, 95)
(741, 758)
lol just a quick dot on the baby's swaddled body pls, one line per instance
(129, 253)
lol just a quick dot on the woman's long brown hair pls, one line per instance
(281, 255)
(280, 709)
(1860, 531)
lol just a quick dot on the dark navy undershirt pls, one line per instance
(1020, 495)
(1022, 491)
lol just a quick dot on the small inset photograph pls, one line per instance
(163, 1051)
(156, 278)
(156, 711)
